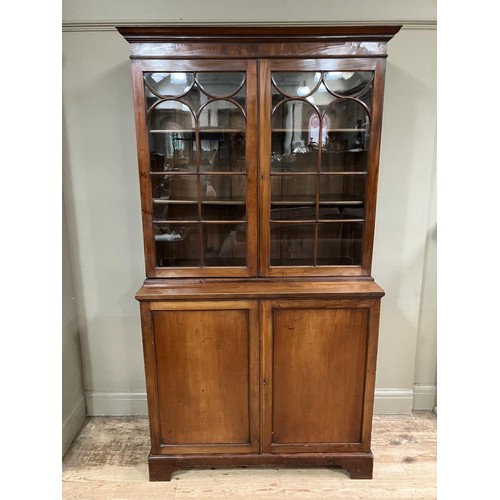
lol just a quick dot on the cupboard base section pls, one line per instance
(359, 465)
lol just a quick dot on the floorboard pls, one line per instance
(108, 461)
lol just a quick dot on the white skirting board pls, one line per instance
(387, 401)
(72, 423)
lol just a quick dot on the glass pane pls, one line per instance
(224, 188)
(348, 128)
(348, 190)
(340, 243)
(292, 244)
(343, 161)
(160, 186)
(177, 245)
(296, 83)
(329, 212)
(345, 83)
(294, 149)
(181, 187)
(222, 137)
(220, 84)
(172, 137)
(197, 128)
(168, 211)
(300, 189)
(225, 244)
(223, 211)
(224, 197)
(293, 212)
(168, 84)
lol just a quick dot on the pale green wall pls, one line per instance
(102, 190)
(73, 402)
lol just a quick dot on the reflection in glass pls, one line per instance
(348, 189)
(224, 189)
(344, 161)
(225, 244)
(172, 137)
(177, 245)
(348, 128)
(340, 243)
(319, 161)
(345, 83)
(180, 187)
(291, 127)
(282, 212)
(171, 211)
(222, 137)
(220, 84)
(168, 84)
(292, 244)
(197, 128)
(293, 188)
(296, 83)
(223, 212)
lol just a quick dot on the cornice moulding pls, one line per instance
(110, 25)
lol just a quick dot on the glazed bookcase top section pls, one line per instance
(258, 148)
(257, 41)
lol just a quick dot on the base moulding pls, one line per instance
(359, 465)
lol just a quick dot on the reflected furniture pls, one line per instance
(258, 152)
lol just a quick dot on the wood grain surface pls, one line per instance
(108, 461)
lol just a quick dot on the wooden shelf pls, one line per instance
(202, 221)
(194, 173)
(201, 131)
(313, 221)
(284, 174)
(295, 202)
(307, 131)
(193, 201)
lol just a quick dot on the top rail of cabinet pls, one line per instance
(257, 41)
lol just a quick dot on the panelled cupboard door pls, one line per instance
(319, 143)
(318, 370)
(196, 123)
(206, 389)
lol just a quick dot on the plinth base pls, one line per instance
(359, 465)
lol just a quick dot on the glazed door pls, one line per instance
(320, 132)
(318, 375)
(197, 140)
(205, 392)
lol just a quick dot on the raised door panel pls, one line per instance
(206, 377)
(314, 368)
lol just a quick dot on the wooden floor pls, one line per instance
(108, 459)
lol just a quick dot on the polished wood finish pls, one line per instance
(359, 465)
(174, 57)
(206, 381)
(316, 356)
(241, 33)
(358, 64)
(270, 363)
(261, 288)
(316, 377)
(251, 134)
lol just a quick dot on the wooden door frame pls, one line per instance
(147, 310)
(141, 66)
(266, 67)
(266, 323)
